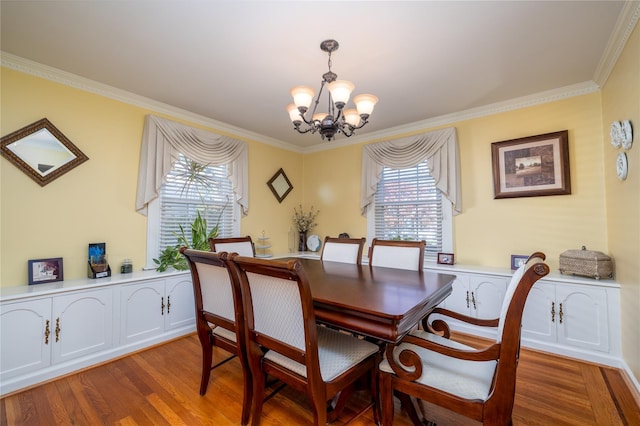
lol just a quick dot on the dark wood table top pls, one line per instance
(382, 303)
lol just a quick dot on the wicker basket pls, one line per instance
(587, 263)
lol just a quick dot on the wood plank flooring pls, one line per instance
(160, 386)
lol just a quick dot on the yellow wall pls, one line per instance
(490, 230)
(621, 101)
(95, 202)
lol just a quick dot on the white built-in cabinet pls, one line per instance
(47, 330)
(567, 314)
(153, 307)
(39, 333)
(564, 314)
(478, 296)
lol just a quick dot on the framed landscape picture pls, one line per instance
(532, 166)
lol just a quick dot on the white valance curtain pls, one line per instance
(439, 148)
(163, 140)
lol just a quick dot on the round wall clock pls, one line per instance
(622, 166)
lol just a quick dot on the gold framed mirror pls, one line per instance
(41, 151)
(280, 185)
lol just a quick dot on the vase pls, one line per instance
(302, 242)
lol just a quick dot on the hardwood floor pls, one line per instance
(160, 386)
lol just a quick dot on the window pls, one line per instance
(190, 188)
(408, 206)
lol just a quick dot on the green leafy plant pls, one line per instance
(195, 180)
(171, 256)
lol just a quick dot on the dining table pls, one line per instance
(377, 302)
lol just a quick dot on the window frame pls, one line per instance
(447, 226)
(153, 228)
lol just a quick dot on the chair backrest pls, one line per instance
(218, 297)
(345, 250)
(511, 288)
(510, 323)
(397, 254)
(242, 245)
(279, 309)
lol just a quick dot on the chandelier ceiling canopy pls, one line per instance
(335, 119)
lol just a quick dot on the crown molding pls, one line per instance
(483, 111)
(625, 25)
(53, 74)
(36, 69)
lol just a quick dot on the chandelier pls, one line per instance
(328, 122)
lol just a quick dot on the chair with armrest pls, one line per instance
(477, 383)
(242, 245)
(219, 316)
(397, 254)
(284, 341)
(345, 250)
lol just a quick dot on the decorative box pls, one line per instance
(585, 262)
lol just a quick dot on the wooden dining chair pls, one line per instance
(219, 316)
(399, 254)
(244, 246)
(477, 383)
(284, 341)
(345, 250)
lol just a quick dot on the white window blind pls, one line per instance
(408, 206)
(209, 191)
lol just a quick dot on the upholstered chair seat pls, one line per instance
(463, 378)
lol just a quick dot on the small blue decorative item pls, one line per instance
(97, 262)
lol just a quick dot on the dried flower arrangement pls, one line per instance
(305, 222)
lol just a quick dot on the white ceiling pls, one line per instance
(235, 61)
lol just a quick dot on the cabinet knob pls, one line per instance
(467, 299)
(168, 304)
(162, 306)
(553, 311)
(473, 299)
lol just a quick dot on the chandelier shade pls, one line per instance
(336, 119)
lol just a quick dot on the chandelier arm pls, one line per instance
(303, 131)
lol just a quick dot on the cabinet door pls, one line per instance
(24, 344)
(141, 311)
(180, 306)
(486, 293)
(82, 323)
(540, 313)
(582, 317)
(460, 298)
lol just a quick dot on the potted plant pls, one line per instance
(195, 179)
(171, 256)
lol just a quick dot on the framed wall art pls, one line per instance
(45, 270)
(41, 151)
(532, 166)
(280, 186)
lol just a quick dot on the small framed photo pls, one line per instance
(517, 260)
(445, 258)
(45, 270)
